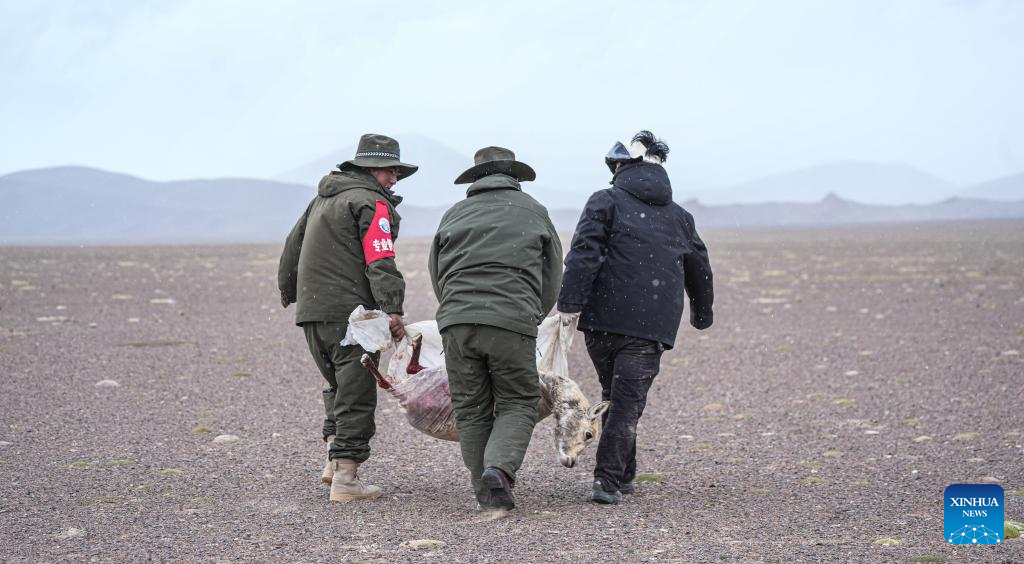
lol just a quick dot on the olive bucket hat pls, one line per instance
(491, 160)
(379, 151)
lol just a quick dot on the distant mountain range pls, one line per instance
(72, 205)
(833, 210)
(433, 184)
(886, 184)
(77, 204)
(429, 186)
(1005, 189)
(556, 187)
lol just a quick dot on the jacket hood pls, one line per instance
(493, 182)
(339, 181)
(647, 181)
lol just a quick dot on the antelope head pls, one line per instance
(577, 423)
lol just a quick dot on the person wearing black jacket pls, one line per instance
(634, 253)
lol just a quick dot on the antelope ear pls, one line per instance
(597, 410)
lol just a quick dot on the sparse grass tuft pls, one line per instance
(80, 465)
(542, 516)
(649, 478)
(120, 462)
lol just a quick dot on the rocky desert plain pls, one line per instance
(157, 403)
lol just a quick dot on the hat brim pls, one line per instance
(516, 169)
(404, 170)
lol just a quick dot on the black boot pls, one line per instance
(604, 497)
(501, 488)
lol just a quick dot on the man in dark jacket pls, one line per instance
(338, 256)
(496, 265)
(633, 253)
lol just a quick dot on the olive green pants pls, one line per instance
(492, 375)
(351, 394)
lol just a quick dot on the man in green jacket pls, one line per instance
(496, 268)
(338, 256)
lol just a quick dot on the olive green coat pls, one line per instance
(323, 267)
(496, 259)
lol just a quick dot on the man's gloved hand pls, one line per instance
(284, 301)
(568, 319)
(396, 326)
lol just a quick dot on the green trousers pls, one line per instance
(351, 394)
(492, 375)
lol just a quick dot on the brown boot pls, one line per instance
(328, 472)
(345, 486)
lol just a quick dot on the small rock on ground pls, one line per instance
(423, 544)
(72, 533)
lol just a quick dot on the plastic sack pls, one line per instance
(427, 402)
(415, 374)
(419, 381)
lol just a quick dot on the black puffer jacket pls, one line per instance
(633, 253)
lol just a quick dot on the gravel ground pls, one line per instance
(849, 377)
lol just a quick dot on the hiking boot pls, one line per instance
(501, 488)
(600, 495)
(328, 472)
(628, 488)
(345, 485)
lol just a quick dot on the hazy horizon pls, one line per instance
(739, 89)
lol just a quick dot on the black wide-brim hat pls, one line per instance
(379, 151)
(493, 160)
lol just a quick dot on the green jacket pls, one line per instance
(324, 264)
(496, 259)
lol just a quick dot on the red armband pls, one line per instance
(377, 242)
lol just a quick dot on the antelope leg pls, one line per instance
(367, 361)
(414, 362)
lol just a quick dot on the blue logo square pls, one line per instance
(974, 514)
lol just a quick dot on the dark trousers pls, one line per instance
(350, 398)
(626, 367)
(492, 375)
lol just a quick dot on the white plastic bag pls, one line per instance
(554, 341)
(370, 329)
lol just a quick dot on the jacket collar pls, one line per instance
(340, 180)
(493, 182)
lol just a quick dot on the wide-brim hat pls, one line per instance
(379, 151)
(492, 160)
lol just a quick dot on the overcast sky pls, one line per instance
(206, 88)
